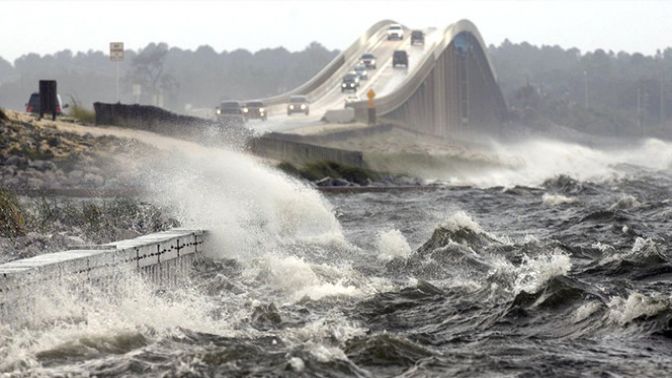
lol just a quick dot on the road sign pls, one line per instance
(371, 94)
(116, 51)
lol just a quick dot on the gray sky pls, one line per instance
(50, 26)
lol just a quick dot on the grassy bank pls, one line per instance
(12, 220)
(82, 114)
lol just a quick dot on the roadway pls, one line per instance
(383, 80)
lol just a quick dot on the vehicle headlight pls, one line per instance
(261, 110)
(219, 111)
(344, 85)
(291, 106)
(373, 61)
(245, 110)
(303, 106)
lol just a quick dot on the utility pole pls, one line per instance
(117, 55)
(661, 106)
(117, 63)
(640, 124)
(585, 89)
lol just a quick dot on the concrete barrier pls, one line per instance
(161, 257)
(339, 115)
(160, 121)
(292, 149)
(150, 118)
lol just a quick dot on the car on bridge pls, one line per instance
(350, 82)
(400, 58)
(417, 37)
(351, 100)
(395, 32)
(368, 60)
(230, 113)
(362, 72)
(255, 110)
(298, 104)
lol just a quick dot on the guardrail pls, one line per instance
(160, 257)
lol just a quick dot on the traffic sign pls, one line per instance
(371, 94)
(116, 51)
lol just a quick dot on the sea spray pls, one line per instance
(392, 244)
(247, 207)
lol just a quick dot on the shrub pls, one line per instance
(12, 221)
(289, 169)
(80, 113)
(318, 170)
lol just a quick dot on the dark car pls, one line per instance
(399, 58)
(368, 60)
(33, 105)
(350, 82)
(298, 104)
(255, 110)
(230, 113)
(417, 37)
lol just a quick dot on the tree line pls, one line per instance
(598, 91)
(158, 74)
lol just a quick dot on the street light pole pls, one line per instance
(585, 89)
(118, 100)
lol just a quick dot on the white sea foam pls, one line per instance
(247, 207)
(391, 244)
(127, 306)
(602, 247)
(532, 162)
(623, 311)
(626, 201)
(461, 219)
(297, 364)
(585, 310)
(556, 199)
(534, 272)
(324, 353)
(299, 279)
(641, 246)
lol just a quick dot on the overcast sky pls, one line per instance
(50, 26)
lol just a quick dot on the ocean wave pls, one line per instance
(635, 306)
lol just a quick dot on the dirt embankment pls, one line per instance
(37, 155)
(43, 156)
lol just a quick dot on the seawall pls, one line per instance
(161, 257)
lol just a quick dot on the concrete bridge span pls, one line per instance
(454, 92)
(449, 90)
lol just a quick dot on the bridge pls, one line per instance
(449, 90)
